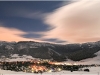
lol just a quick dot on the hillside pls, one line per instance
(56, 52)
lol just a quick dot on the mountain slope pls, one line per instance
(95, 60)
(56, 52)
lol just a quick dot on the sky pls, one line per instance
(50, 21)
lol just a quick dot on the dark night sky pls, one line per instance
(15, 14)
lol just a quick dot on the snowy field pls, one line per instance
(89, 61)
(93, 71)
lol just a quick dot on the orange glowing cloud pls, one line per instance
(12, 34)
(77, 22)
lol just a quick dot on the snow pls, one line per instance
(16, 57)
(89, 61)
(93, 71)
(95, 60)
(54, 51)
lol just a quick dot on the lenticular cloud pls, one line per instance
(77, 22)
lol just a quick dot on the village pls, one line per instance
(42, 66)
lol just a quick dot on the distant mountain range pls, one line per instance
(75, 52)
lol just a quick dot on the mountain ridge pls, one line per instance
(75, 52)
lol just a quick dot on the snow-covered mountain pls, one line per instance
(95, 60)
(75, 52)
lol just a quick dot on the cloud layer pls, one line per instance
(13, 34)
(77, 22)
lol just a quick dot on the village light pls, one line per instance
(32, 71)
(49, 70)
(38, 62)
(59, 69)
(75, 64)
